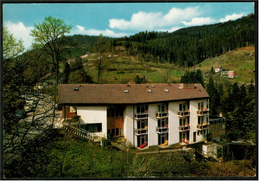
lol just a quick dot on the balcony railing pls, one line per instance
(205, 112)
(141, 115)
(161, 114)
(184, 128)
(202, 126)
(184, 113)
(141, 131)
(185, 141)
(164, 129)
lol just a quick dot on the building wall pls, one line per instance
(217, 131)
(152, 124)
(128, 124)
(194, 120)
(67, 114)
(98, 114)
(173, 122)
(93, 114)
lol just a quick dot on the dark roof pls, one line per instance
(128, 93)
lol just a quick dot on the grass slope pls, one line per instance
(124, 68)
(240, 60)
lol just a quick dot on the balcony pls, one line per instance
(184, 128)
(184, 113)
(184, 141)
(141, 115)
(201, 113)
(164, 129)
(141, 131)
(160, 115)
(202, 126)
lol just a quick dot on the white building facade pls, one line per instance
(154, 123)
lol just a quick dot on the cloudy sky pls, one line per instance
(120, 19)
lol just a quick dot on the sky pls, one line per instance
(120, 19)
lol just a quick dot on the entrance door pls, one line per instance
(194, 136)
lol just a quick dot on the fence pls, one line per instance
(95, 137)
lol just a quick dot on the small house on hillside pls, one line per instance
(232, 74)
(229, 74)
(218, 69)
(144, 114)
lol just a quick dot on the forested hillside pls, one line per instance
(189, 46)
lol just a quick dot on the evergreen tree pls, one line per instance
(236, 97)
(199, 77)
(220, 90)
(66, 73)
(137, 79)
(214, 96)
(243, 93)
(251, 89)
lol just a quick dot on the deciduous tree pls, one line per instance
(50, 36)
(11, 47)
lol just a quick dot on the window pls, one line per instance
(200, 120)
(115, 111)
(113, 131)
(141, 108)
(182, 107)
(96, 127)
(163, 122)
(72, 108)
(162, 107)
(207, 103)
(117, 131)
(142, 124)
(200, 106)
(180, 122)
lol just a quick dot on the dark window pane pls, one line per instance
(113, 131)
(97, 127)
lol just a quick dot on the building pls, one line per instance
(217, 128)
(144, 114)
(232, 74)
(229, 74)
(218, 69)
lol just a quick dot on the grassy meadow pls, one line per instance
(240, 60)
(124, 68)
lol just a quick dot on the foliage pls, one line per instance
(66, 73)
(239, 109)
(214, 96)
(11, 47)
(139, 80)
(193, 77)
(78, 74)
(190, 46)
(34, 159)
(50, 36)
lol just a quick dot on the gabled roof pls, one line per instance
(87, 94)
